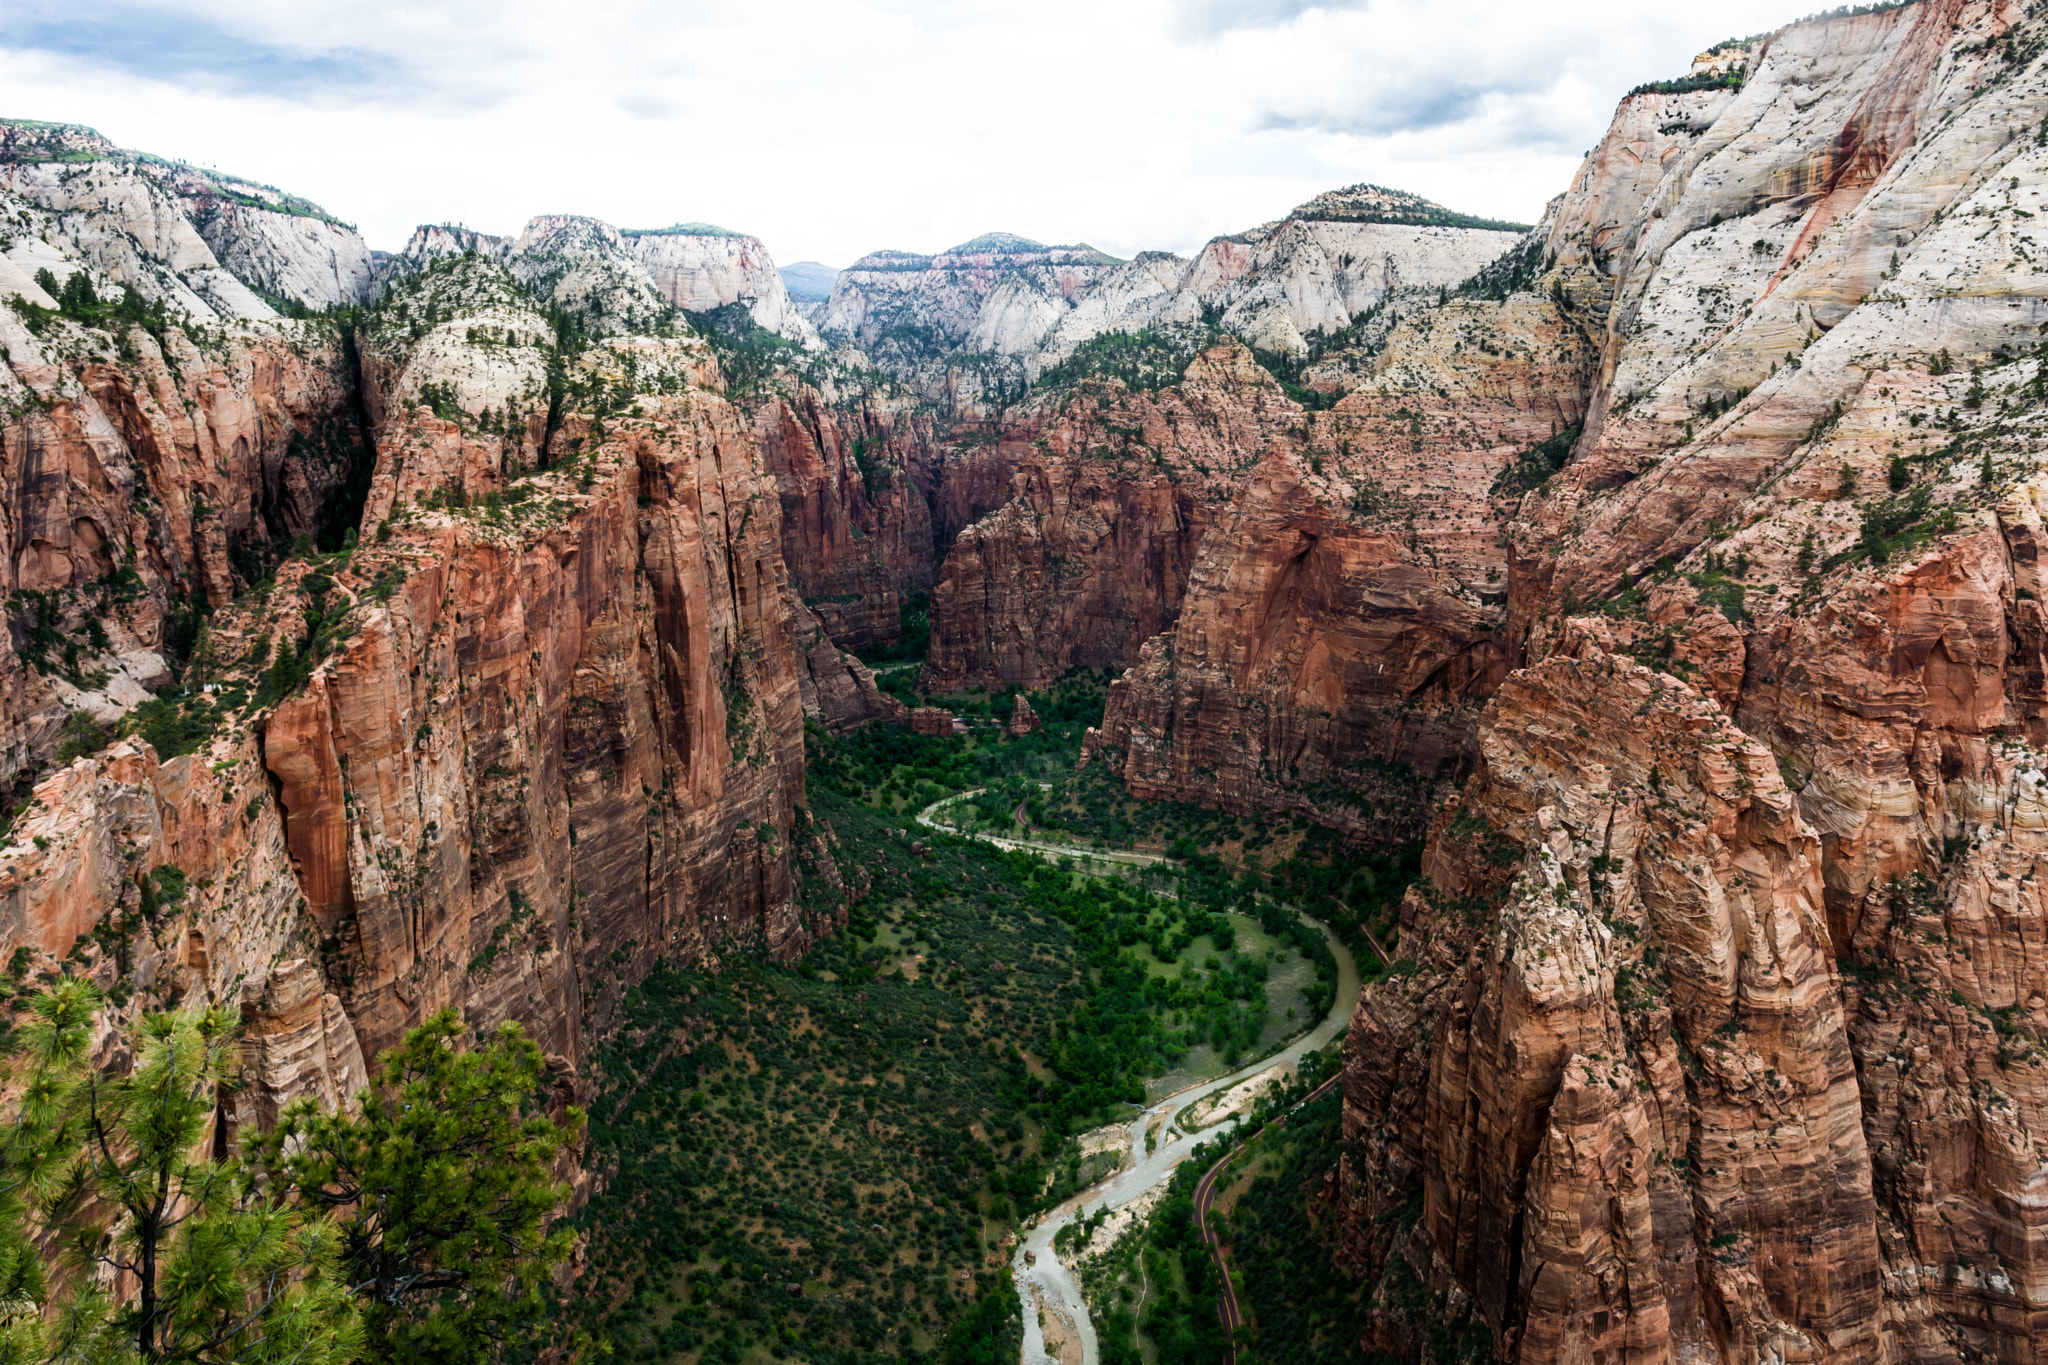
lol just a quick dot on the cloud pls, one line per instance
(832, 127)
(160, 45)
(1209, 18)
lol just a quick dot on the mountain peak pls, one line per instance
(1363, 203)
(995, 243)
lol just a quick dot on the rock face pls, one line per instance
(202, 242)
(700, 268)
(1113, 492)
(535, 721)
(856, 519)
(1625, 1086)
(150, 476)
(546, 762)
(996, 294)
(1346, 618)
(621, 283)
(277, 243)
(1720, 1041)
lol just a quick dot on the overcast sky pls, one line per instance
(831, 129)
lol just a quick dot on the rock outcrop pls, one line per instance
(1113, 492)
(700, 268)
(1620, 1077)
(1719, 1041)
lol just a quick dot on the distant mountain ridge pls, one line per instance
(809, 281)
(965, 327)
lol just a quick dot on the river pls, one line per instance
(1048, 1283)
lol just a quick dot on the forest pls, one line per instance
(826, 1160)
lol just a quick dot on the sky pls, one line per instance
(833, 129)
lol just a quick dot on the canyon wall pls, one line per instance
(484, 677)
(1347, 617)
(1715, 1035)
(1112, 493)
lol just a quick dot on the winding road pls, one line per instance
(1205, 1195)
(1047, 1284)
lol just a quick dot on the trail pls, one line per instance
(1048, 1283)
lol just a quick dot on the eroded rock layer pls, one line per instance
(1720, 1040)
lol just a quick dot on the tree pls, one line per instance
(447, 1178)
(119, 1173)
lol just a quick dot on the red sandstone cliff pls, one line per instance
(1722, 1041)
(553, 724)
(856, 521)
(1112, 494)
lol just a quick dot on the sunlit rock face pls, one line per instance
(550, 725)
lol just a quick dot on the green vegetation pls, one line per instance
(443, 1182)
(1685, 85)
(1157, 1286)
(48, 644)
(1515, 271)
(1377, 204)
(682, 230)
(1307, 1307)
(80, 302)
(821, 1158)
(1533, 468)
(1288, 370)
(445, 1187)
(912, 643)
(1145, 360)
(222, 1269)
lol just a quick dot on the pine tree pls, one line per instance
(119, 1173)
(447, 1178)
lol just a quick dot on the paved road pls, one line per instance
(1049, 1281)
(1103, 855)
(1050, 1284)
(1205, 1194)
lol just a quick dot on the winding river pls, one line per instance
(1047, 1284)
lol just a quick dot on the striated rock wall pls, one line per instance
(1347, 618)
(1620, 1076)
(857, 529)
(146, 471)
(1112, 495)
(553, 728)
(1721, 1041)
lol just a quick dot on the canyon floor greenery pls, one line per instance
(823, 1161)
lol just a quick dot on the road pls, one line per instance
(1205, 1194)
(1101, 855)
(1048, 1283)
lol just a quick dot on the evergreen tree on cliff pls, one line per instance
(447, 1182)
(118, 1173)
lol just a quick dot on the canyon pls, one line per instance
(454, 627)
